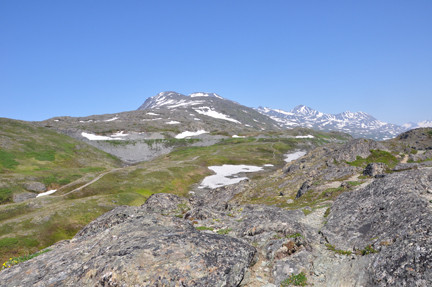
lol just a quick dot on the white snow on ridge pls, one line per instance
(46, 193)
(152, 114)
(236, 136)
(221, 178)
(172, 123)
(184, 103)
(113, 119)
(293, 156)
(305, 137)
(214, 114)
(190, 134)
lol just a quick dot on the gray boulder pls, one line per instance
(375, 168)
(304, 188)
(35, 186)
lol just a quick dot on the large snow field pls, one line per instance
(223, 174)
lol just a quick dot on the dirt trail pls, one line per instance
(405, 159)
(90, 182)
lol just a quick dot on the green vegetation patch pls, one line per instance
(16, 260)
(7, 159)
(296, 280)
(338, 251)
(376, 156)
(224, 231)
(5, 195)
(204, 228)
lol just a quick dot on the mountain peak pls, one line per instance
(303, 110)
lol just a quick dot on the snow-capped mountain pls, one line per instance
(210, 105)
(357, 124)
(422, 124)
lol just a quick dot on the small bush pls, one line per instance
(296, 280)
(368, 249)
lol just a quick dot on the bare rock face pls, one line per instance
(375, 168)
(129, 246)
(35, 186)
(392, 217)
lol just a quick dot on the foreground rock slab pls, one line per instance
(130, 247)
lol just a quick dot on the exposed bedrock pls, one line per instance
(393, 217)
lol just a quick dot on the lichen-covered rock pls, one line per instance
(375, 168)
(130, 247)
(393, 216)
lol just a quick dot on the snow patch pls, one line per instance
(221, 178)
(214, 114)
(293, 156)
(113, 119)
(305, 137)
(190, 134)
(46, 193)
(268, 164)
(172, 123)
(236, 136)
(93, 137)
(152, 114)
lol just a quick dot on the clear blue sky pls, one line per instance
(80, 58)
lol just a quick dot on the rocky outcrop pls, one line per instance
(130, 247)
(392, 217)
(375, 168)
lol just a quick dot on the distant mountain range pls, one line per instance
(173, 113)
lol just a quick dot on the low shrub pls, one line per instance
(296, 280)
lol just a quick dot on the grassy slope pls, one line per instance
(33, 225)
(29, 153)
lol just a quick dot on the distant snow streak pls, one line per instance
(190, 134)
(214, 114)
